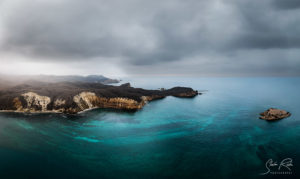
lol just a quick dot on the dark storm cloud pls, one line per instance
(264, 27)
(78, 29)
(287, 4)
(165, 37)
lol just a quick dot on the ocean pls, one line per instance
(215, 135)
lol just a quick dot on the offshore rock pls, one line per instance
(274, 114)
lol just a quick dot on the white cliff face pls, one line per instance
(34, 99)
(85, 98)
(84, 101)
(59, 102)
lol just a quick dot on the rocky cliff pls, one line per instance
(67, 97)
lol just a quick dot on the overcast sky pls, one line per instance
(153, 37)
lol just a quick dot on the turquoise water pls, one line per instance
(215, 135)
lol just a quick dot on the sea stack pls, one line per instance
(273, 114)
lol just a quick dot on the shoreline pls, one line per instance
(56, 112)
(86, 110)
(36, 112)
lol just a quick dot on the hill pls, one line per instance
(13, 80)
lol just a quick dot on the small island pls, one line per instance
(75, 97)
(273, 114)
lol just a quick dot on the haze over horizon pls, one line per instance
(163, 38)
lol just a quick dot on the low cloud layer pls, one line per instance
(134, 37)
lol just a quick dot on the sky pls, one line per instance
(153, 37)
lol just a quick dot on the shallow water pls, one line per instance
(215, 135)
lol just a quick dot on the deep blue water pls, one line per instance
(215, 135)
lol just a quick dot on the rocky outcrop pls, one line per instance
(121, 103)
(274, 114)
(77, 97)
(17, 104)
(187, 94)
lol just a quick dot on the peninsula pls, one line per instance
(75, 97)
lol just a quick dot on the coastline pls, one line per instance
(35, 112)
(86, 110)
(73, 98)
